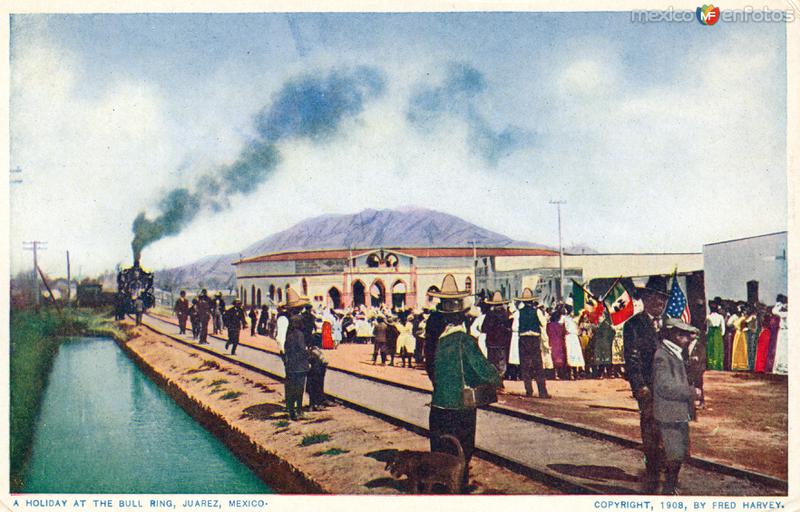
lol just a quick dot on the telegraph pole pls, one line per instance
(34, 246)
(560, 251)
(69, 282)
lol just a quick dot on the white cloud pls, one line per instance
(643, 167)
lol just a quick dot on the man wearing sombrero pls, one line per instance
(497, 326)
(462, 377)
(530, 349)
(296, 362)
(641, 338)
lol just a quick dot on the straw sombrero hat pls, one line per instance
(496, 300)
(527, 296)
(449, 289)
(293, 300)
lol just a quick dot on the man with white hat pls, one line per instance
(673, 397)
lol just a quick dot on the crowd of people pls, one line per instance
(468, 352)
(748, 337)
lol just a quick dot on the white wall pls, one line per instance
(730, 265)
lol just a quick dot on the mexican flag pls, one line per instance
(595, 310)
(578, 297)
(620, 304)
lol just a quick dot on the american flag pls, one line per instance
(677, 305)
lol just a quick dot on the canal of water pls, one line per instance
(104, 427)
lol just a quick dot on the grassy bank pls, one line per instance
(34, 344)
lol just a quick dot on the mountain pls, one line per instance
(408, 227)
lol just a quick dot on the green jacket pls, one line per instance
(451, 348)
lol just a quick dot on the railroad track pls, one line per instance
(405, 406)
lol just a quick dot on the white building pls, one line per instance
(750, 269)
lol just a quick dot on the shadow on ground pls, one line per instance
(263, 412)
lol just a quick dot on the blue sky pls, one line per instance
(661, 136)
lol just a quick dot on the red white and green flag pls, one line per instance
(620, 303)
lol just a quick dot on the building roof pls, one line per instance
(420, 252)
(747, 238)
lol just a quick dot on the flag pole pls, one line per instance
(611, 288)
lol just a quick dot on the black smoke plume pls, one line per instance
(310, 106)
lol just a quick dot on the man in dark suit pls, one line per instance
(641, 339)
(182, 311)
(234, 322)
(203, 312)
(673, 397)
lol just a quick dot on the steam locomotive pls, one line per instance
(133, 283)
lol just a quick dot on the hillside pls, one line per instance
(412, 227)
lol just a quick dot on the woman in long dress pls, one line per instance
(513, 351)
(753, 332)
(558, 348)
(714, 335)
(782, 347)
(406, 343)
(573, 345)
(547, 356)
(327, 331)
(762, 350)
(602, 342)
(739, 353)
(337, 330)
(727, 339)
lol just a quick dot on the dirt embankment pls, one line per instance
(336, 451)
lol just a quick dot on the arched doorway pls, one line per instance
(399, 294)
(272, 292)
(377, 294)
(258, 297)
(336, 298)
(252, 294)
(280, 295)
(358, 293)
(305, 287)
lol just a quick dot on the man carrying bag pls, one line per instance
(463, 378)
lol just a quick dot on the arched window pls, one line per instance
(336, 298)
(398, 294)
(305, 287)
(258, 297)
(378, 293)
(468, 284)
(280, 295)
(253, 294)
(358, 294)
(373, 261)
(272, 292)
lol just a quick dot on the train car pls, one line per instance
(133, 283)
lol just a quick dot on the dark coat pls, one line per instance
(379, 333)
(601, 343)
(296, 354)
(673, 396)
(641, 341)
(434, 327)
(391, 338)
(182, 306)
(203, 308)
(234, 318)
(497, 326)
